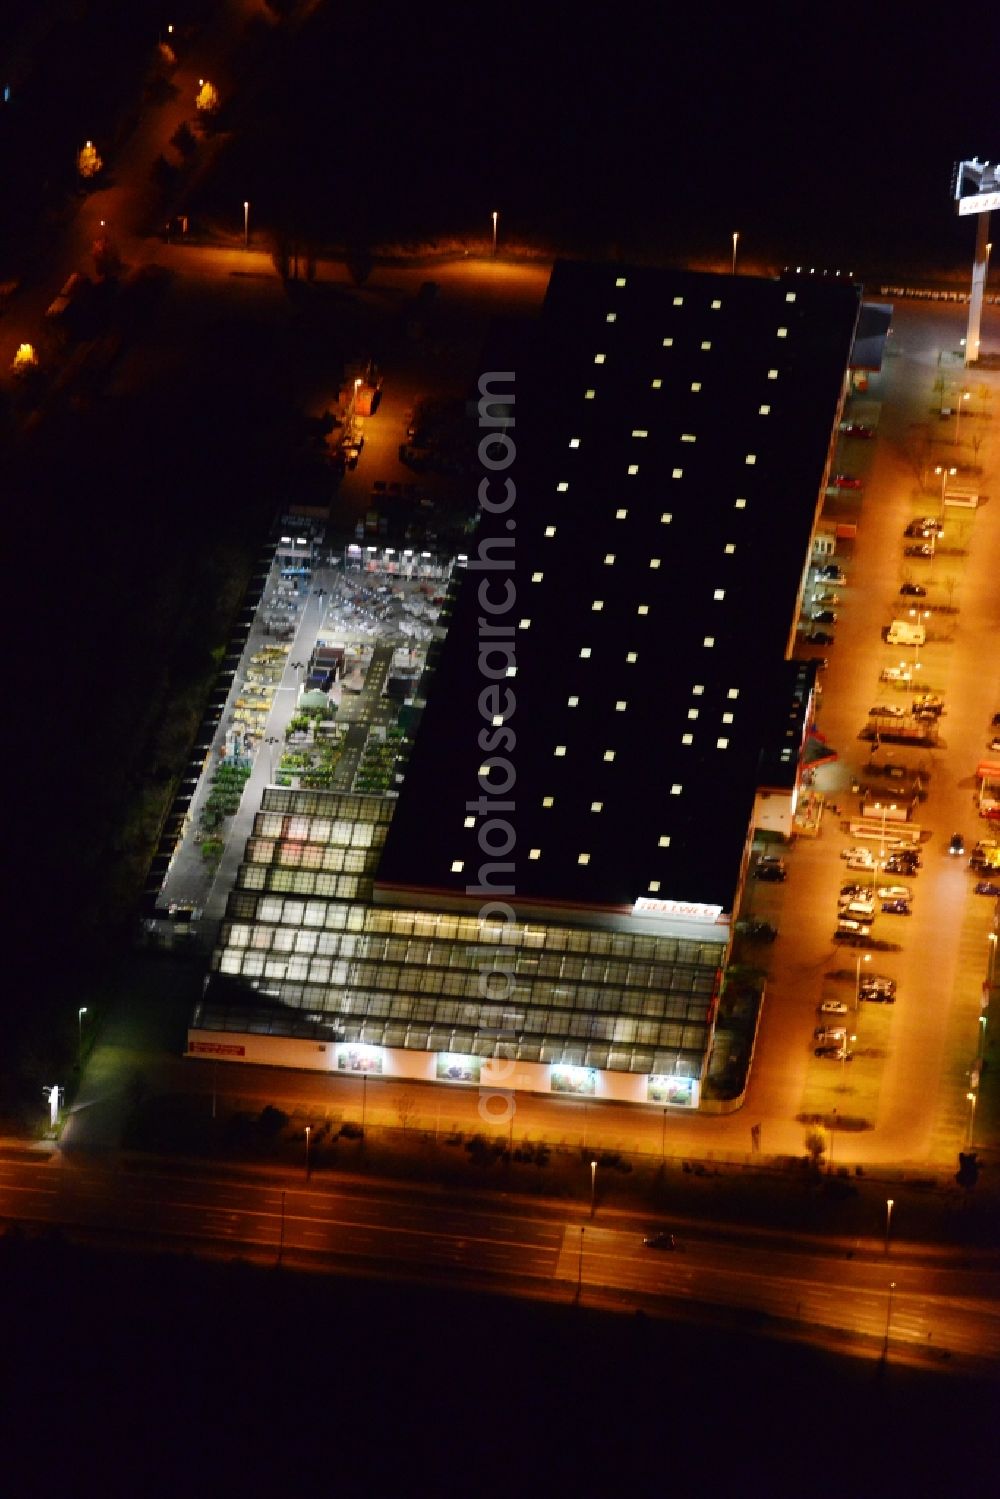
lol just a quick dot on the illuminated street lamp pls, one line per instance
(971, 1096)
(991, 953)
(881, 851)
(736, 235)
(246, 224)
(495, 217)
(963, 396)
(848, 1040)
(888, 1221)
(946, 474)
(593, 1186)
(862, 958)
(888, 1319)
(308, 1134)
(79, 1038)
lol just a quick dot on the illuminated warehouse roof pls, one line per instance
(673, 434)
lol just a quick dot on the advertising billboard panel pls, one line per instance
(679, 1092)
(359, 1058)
(581, 1081)
(451, 1067)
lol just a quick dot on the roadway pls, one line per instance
(944, 1305)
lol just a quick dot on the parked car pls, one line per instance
(824, 617)
(897, 908)
(956, 844)
(987, 887)
(758, 931)
(900, 864)
(858, 853)
(927, 526)
(827, 1034)
(831, 570)
(921, 549)
(768, 867)
(845, 481)
(913, 591)
(826, 598)
(820, 637)
(886, 710)
(834, 1054)
(894, 892)
(878, 989)
(833, 1007)
(928, 700)
(853, 892)
(853, 925)
(856, 429)
(896, 674)
(660, 1241)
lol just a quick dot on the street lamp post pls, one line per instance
(495, 216)
(593, 1186)
(963, 396)
(888, 1221)
(246, 225)
(833, 1135)
(885, 810)
(79, 1034)
(946, 474)
(991, 953)
(736, 235)
(971, 1096)
(862, 958)
(888, 1320)
(308, 1134)
(982, 1037)
(848, 1038)
(271, 741)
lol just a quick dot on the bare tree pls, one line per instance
(406, 1109)
(815, 1146)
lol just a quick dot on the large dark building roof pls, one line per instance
(673, 433)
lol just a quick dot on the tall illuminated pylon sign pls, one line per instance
(975, 187)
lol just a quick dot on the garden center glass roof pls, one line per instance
(303, 953)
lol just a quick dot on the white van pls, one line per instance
(902, 633)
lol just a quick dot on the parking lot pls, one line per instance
(908, 714)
